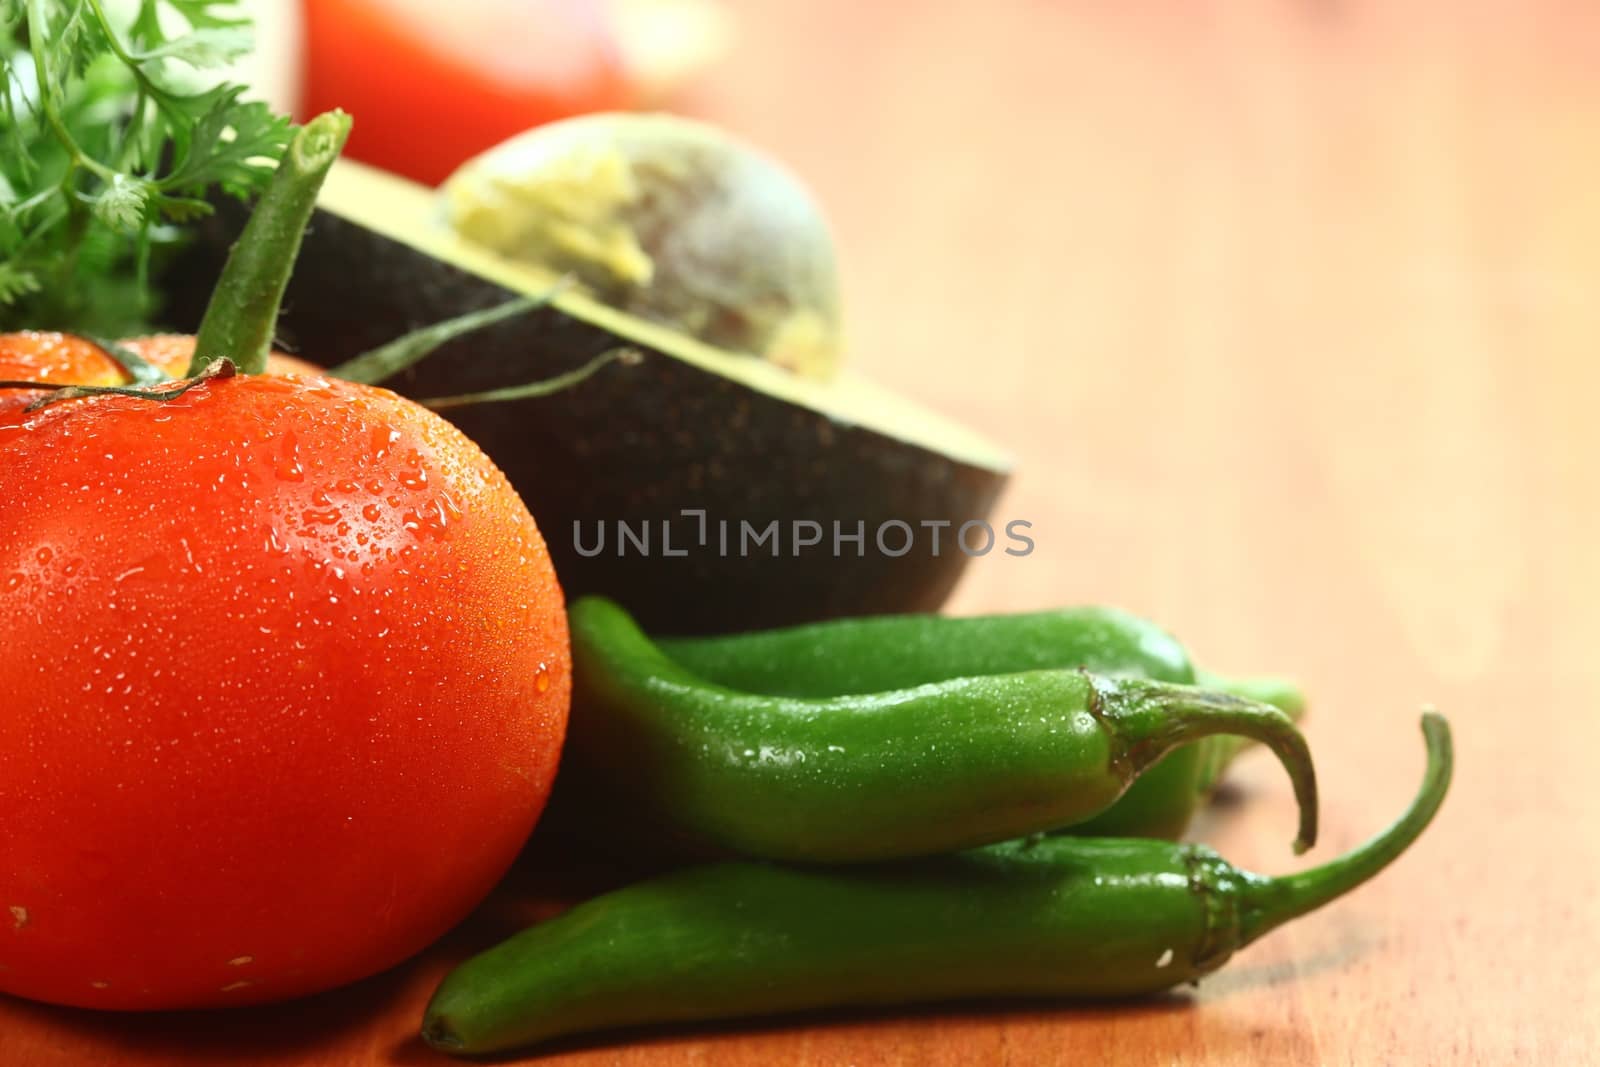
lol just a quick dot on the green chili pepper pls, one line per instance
(882, 652)
(871, 655)
(1055, 916)
(905, 772)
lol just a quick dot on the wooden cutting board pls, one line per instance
(1290, 309)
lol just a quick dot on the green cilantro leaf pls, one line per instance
(111, 139)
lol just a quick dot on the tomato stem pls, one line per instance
(627, 357)
(387, 360)
(138, 369)
(55, 392)
(394, 356)
(243, 312)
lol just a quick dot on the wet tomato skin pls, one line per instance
(285, 685)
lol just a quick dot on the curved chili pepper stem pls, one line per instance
(391, 358)
(243, 312)
(55, 393)
(1271, 902)
(1152, 718)
(1281, 693)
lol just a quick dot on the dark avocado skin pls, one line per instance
(635, 443)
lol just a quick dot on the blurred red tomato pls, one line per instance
(431, 85)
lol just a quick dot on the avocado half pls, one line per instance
(651, 482)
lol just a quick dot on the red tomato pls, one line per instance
(286, 678)
(428, 90)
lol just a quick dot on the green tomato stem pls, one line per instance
(626, 357)
(391, 358)
(387, 360)
(140, 370)
(243, 313)
(55, 393)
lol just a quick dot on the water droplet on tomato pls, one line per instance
(382, 438)
(288, 467)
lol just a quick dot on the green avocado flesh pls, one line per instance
(610, 467)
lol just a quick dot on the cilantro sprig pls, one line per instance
(111, 139)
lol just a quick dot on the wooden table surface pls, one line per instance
(1290, 310)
